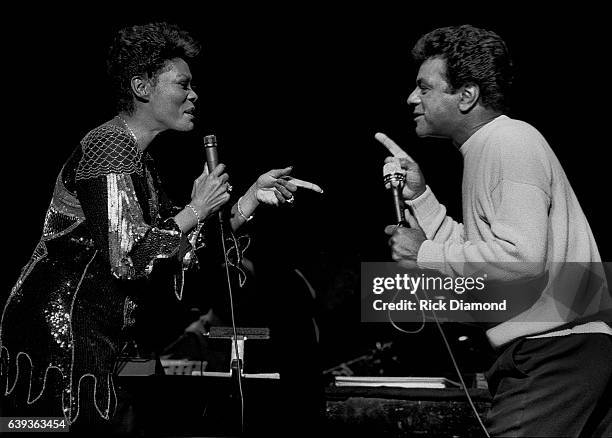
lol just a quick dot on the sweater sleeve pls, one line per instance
(518, 244)
(431, 216)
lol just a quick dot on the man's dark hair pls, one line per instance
(473, 56)
(145, 50)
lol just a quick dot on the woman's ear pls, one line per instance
(141, 88)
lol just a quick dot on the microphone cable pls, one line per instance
(233, 318)
(458, 371)
(395, 326)
(446, 343)
(402, 223)
(210, 148)
(449, 350)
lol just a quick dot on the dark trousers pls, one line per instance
(553, 387)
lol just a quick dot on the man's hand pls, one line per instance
(405, 243)
(414, 186)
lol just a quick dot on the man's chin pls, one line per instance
(421, 129)
(421, 133)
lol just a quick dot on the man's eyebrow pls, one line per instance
(183, 76)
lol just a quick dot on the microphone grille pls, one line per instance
(391, 168)
(393, 175)
(210, 141)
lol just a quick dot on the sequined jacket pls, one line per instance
(69, 309)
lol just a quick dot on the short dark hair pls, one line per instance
(144, 49)
(473, 56)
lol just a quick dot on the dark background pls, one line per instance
(309, 87)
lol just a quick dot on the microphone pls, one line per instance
(210, 147)
(394, 177)
(212, 159)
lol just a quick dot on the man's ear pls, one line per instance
(141, 87)
(470, 93)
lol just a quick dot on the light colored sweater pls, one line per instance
(522, 219)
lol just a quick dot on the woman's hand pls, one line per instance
(271, 189)
(277, 187)
(210, 191)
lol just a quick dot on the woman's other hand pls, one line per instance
(277, 187)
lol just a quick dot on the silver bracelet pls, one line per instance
(241, 212)
(195, 212)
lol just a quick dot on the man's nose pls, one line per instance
(414, 98)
